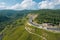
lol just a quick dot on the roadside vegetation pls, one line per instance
(48, 16)
(15, 23)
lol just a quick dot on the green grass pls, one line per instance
(19, 33)
(16, 31)
(48, 35)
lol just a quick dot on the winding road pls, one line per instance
(40, 26)
(30, 21)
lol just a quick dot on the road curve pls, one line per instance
(30, 21)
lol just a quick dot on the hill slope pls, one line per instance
(18, 29)
(8, 16)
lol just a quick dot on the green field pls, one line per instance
(14, 25)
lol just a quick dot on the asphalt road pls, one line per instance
(40, 26)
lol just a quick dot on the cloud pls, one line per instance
(26, 4)
(46, 5)
(2, 5)
(49, 4)
(32, 5)
(16, 6)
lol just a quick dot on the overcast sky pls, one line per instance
(29, 4)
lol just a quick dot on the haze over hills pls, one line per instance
(13, 24)
(8, 16)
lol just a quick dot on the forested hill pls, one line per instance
(8, 16)
(16, 27)
(45, 16)
(48, 16)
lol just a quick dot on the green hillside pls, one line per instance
(15, 25)
(48, 16)
(17, 31)
(8, 16)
